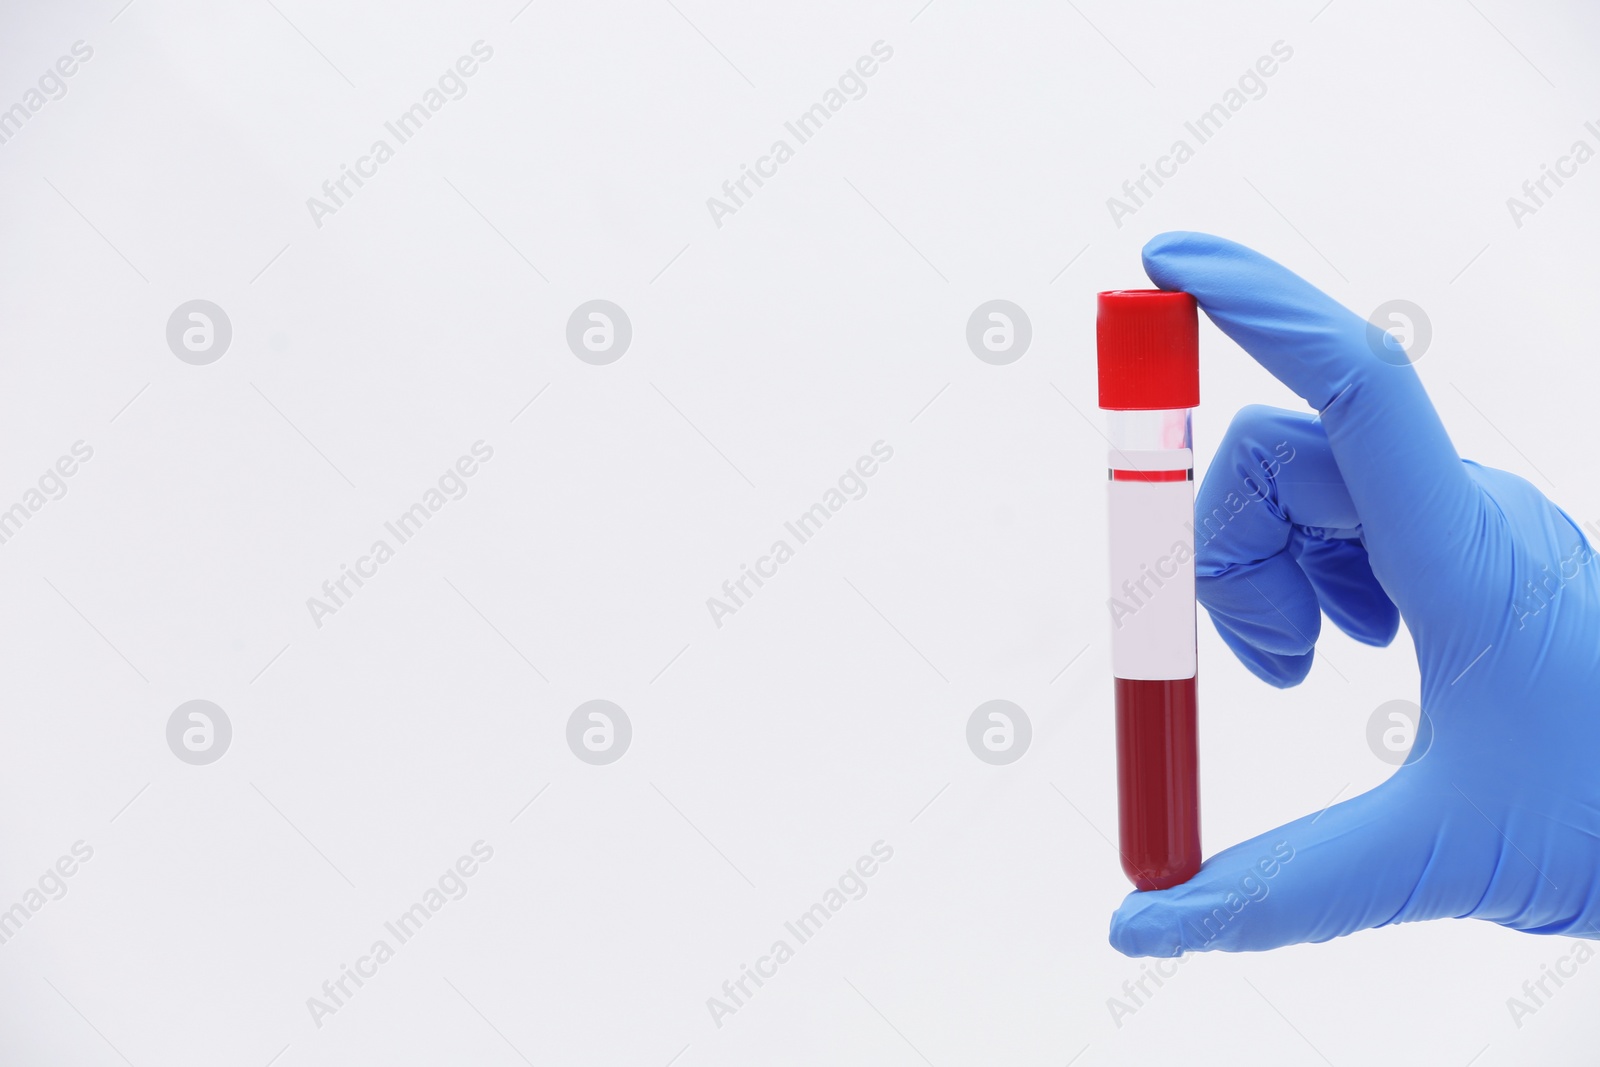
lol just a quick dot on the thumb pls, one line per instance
(1354, 866)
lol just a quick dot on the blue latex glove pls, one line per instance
(1496, 815)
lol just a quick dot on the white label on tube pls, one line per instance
(1152, 579)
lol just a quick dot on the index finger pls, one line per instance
(1411, 491)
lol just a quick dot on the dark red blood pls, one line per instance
(1158, 781)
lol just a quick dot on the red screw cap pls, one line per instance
(1149, 350)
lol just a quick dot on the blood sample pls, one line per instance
(1149, 381)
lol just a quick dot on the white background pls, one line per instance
(768, 354)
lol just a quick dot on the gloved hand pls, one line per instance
(1374, 519)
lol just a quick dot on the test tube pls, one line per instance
(1149, 380)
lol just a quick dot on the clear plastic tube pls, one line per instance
(1152, 606)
